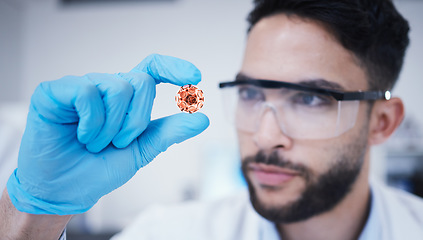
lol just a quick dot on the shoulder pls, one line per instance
(400, 213)
(400, 199)
(191, 220)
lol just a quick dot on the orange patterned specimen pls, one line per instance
(189, 98)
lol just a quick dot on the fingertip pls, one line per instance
(122, 140)
(201, 119)
(118, 142)
(91, 112)
(85, 136)
(88, 129)
(190, 74)
(94, 148)
(192, 124)
(82, 137)
(168, 69)
(196, 76)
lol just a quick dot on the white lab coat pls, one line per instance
(394, 215)
(10, 138)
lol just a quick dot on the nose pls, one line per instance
(269, 134)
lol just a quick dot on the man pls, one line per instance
(311, 98)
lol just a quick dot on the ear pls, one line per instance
(385, 118)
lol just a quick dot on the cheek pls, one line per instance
(247, 146)
(317, 156)
(349, 148)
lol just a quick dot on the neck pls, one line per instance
(345, 221)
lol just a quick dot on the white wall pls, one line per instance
(10, 50)
(75, 40)
(410, 84)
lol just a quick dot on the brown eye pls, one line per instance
(312, 100)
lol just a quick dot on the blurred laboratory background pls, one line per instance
(44, 40)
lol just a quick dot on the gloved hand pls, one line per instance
(86, 136)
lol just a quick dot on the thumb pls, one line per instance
(163, 132)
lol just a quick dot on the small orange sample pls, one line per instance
(189, 98)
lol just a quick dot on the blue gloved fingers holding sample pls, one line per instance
(66, 163)
(153, 69)
(116, 94)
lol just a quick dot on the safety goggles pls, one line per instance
(301, 111)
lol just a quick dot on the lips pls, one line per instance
(271, 175)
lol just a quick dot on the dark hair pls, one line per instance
(372, 30)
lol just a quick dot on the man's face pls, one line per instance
(290, 179)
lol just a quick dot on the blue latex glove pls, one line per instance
(86, 136)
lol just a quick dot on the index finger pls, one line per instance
(167, 69)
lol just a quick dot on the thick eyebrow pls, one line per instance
(241, 76)
(322, 83)
(316, 83)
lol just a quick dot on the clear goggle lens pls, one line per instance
(299, 114)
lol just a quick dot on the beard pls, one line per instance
(322, 193)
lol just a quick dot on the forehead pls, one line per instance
(293, 49)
